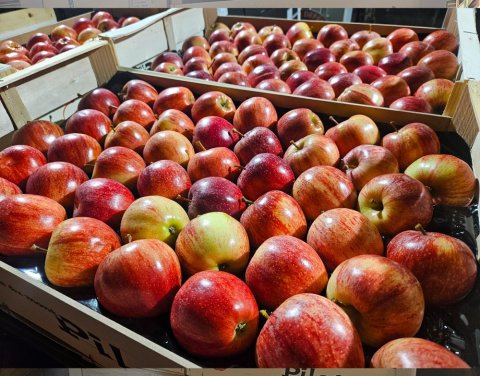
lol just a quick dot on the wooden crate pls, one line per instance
(24, 21)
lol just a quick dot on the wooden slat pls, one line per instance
(25, 20)
(182, 25)
(469, 52)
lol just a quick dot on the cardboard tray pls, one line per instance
(73, 318)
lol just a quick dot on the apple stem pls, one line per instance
(420, 228)
(264, 313)
(239, 166)
(129, 238)
(183, 199)
(200, 145)
(247, 201)
(37, 249)
(234, 130)
(333, 120)
(392, 124)
(370, 28)
(112, 106)
(295, 144)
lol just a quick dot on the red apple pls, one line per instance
(240, 26)
(18, 162)
(341, 81)
(13, 56)
(436, 92)
(256, 141)
(301, 315)
(100, 99)
(90, 122)
(214, 131)
(282, 55)
(298, 78)
(322, 188)
(196, 51)
(42, 55)
(81, 24)
(128, 134)
(169, 57)
(383, 298)
(314, 58)
(197, 327)
(169, 145)
(354, 59)
(400, 37)
(139, 279)
(265, 172)
(36, 38)
(331, 33)
(411, 142)
(255, 112)
(58, 181)
(340, 234)
(395, 63)
(363, 36)
(246, 38)
(88, 34)
(362, 94)
(274, 84)
(276, 41)
(234, 78)
(139, 90)
(416, 50)
(298, 123)
(220, 162)
(302, 46)
(8, 46)
(299, 30)
(171, 68)
(135, 110)
(330, 69)
(213, 103)
(442, 40)
(411, 103)
(365, 162)
(27, 222)
(315, 89)
(7, 188)
(227, 67)
(215, 26)
(62, 31)
(262, 72)
(378, 48)
(312, 150)
(66, 41)
(100, 15)
(284, 266)
(200, 74)
(195, 40)
(252, 50)
(41, 46)
(265, 31)
(391, 88)
(219, 34)
(107, 25)
(38, 134)
(416, 76)
(254, 61)
(194, 64)
(273, 213)
(129, 21)
(341, 47)
(443, 64)
(178, 98)
(174, 120)
(223, 46)
(387, 201)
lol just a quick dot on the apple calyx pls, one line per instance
(297, 146)
(173, 230)
(420, 228)
(240, 328)
(36, 249)
(333, 120)
(264, 313)
(200, 145)
(234, 130)
(224, 103)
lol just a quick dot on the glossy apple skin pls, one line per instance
(62, 31)
(330, 69)
(363, 36)
(90, 122)
(302, 46)
(214, 131)
(174, 120)
(286, 340)
(194, 64)
(314, 58)
(7, 188)
(42, 55)
(41, 46)
(284, 266)
(27, 221)
(270, 29)
(378, 48)
(220, 34)
(299, 30)
(416, 50)
(11, 56)
(265, 172)
(88, 34)
(274, 84)
(139, 90)
(38, 134)
(11, 46)
(411, 103)
(129, 135)
(343, 80)
(392, 88)
(261, 73)
(331, 33)
(100, 99)
(354, 59)
(213, 103)
(100, 15)
(252, 50)
(383, 299)
(442, 40)
(195, 51)
(289, 67)
(411, 142)
(37, 37)
(369, 73)
(234, 78)
(227, 67)
(298, 78)
(357, 130)
(200, 74)
(312, 150)
(322, 188)
(255, 112)
(179, 98)
(153, 217)
(102, 199)
(139, 279)
(120, 164)
(387, 201)
(246, 38)
(219, 161)
(298, 123)
(168, 56)
(365, 162)
(213, 241)
(282, 55)
(341, 47)
(276, 41)
(450, 180)
(240, 26)
(362, 94)
(77, 247)
(443, 64)
(316, 89)
(445, 266)
(416, 76)
(222, 46)
(436, 92)
(395, 63)
(58, 181)
(135, 110)
(340, 234)
(401, 36)
(169, 145)
(215, 194)
(18, 162)
(164, 178)
(81, 24)
(258, 140)
(274, 213)
(195, 40)
(415, 353)
(214, 314)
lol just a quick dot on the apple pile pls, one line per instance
(41, 46)
(208, 210)
(397, 71)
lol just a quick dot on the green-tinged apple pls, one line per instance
(213, 241)
(153, 217)
(387, 201)
(308, 330)
(449, 179)
(299, 30)
(214, 315)
(340, 234)
(363, 36)
(365, 162)
(378, 48)
(383, 299)
(274, 213)
(26, 222)
(436, 92)
(77, 247)
(322, 188)
(139, 279)
(169, 145)
(284, 266)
